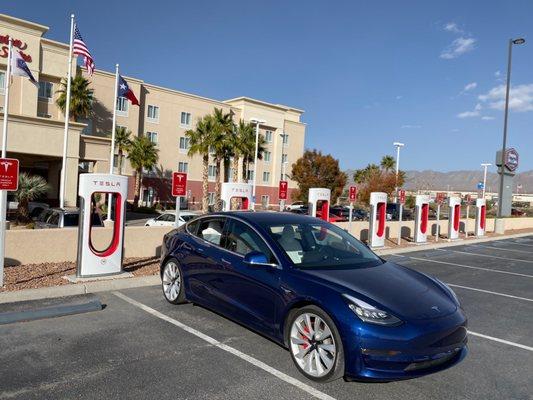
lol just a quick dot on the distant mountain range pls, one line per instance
(459, 180)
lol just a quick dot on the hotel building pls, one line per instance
(36, 125)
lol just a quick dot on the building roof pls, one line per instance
(264, 103)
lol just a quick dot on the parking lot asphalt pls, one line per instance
(141, 347)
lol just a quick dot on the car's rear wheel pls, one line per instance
(315, 344)
(172, 282)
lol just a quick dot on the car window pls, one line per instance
(43, 217)
(161, 217)
(53, 219)
(241, 238)
(187, 217)
(167, 218)
(312, 245)
(193, 226)
(210, 229)
(71, 220)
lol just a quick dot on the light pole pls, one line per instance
(506, 114)
(283, 163)
(257, 122)
(398, 146)
(485, 165)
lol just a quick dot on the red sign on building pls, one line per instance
(401, 196)
(9, 174)
(440, 197)
(353, 193)
(179, 184)
(282, 193)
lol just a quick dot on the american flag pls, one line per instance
(80, 48)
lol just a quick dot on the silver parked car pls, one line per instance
(63, 218)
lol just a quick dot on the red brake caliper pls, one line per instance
(306, 344)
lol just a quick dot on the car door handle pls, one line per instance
(225, 262)
(200, 250)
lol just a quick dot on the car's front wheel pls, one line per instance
(172, 282)
(315, 344)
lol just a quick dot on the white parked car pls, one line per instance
(169, 217)
(294, 206)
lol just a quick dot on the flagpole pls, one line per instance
(3, 194)
(67, 117)
(113, 128)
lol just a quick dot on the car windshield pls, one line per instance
(321, 246)
(187, 217)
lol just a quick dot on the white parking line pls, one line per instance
(501, 248)
(470, 266)
(487, 255)
(254, 361)
(495, 339)
(521, 244)
(489, 292)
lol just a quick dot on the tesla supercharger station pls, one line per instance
(108, 261)
(481, 217)
(319, 199)
(240, 191)
(454, 217)
(378, 219)
(421, 218)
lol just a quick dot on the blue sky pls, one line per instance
(425, 73)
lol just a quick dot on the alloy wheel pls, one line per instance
(312, 344)
(171, 281)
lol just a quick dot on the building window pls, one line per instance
(185, 119)
(266, 156)
(211, 171)
(211, 149)
(265, 201)
(268, 136)
(285, 140)
(122, 106)
(183, 167)
(152, 136)
(284, 159)
(211, 198)
(184, 144)
(266, 177)
(2, 82)
(153, 113)
(45, 91)
(250, 175)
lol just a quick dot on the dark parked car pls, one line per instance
(393, 212)
(63, 218)
(313, 288)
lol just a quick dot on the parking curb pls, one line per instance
(79, 288)
(445, 243)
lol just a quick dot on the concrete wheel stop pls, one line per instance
(75, 279)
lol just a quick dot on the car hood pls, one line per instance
(406, 293)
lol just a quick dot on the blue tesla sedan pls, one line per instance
(341, 310)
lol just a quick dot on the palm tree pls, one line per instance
(199, 143)
(388, 163)
(143, 155)
(31, 187)
(122, 143)
(81, 97)
(248, 149)
(221, 141)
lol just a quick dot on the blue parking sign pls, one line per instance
(480, 185)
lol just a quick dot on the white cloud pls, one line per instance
(520, 98)
(470, 86)
(458, 47)
(477, 107)
(452, 27)
(468, 114)
(411, 126)
(399, 97)
(497, 74)
(487, 118)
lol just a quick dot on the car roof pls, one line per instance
(269, 217)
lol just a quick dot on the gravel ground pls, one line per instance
(31, 276)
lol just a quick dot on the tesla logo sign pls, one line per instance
(283, 190)
(511, 159)
(353, 193)
(9, 174)
(401, 196)
(440, 197)
(179, 184)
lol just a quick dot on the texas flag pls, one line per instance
(20, 68)
(125, 91)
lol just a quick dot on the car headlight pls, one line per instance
(369, 313)
(448, 290)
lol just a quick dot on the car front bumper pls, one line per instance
(408, 351)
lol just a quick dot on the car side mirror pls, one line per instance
(256, 258)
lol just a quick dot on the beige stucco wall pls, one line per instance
(55, 245)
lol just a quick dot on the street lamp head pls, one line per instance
(398, 144)
(519, 41)
(486, 164)
(257, 121)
